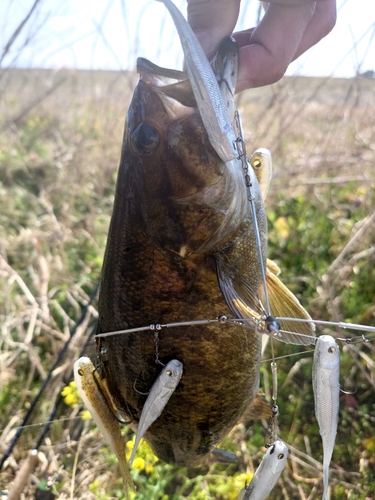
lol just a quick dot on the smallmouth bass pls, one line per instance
(181, 247)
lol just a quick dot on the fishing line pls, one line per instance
(48, 378)
(57, 420)
(288, 355)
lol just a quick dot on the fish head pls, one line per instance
(191, 200)
(167, 136)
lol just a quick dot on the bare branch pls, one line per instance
(17, 31)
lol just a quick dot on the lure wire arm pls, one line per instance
(272, 325)
(264, 325)
(241, 148)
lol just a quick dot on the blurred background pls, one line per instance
(66, 79)
(111, 35)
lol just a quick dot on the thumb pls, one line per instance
(212, 20)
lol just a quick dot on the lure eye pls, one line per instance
(80, 372)
(331, 350)
(256, 163)
(169, 373)
(280, 456)
(145, 139)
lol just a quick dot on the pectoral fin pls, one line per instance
(259, 408)
(273, 267)
(284, 304)
(238, 294)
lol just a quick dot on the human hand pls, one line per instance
(285, 32)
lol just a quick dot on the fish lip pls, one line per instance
(160, 80)
(146, 67)
(158, 76)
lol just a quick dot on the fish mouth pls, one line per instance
(172, 86)
(184, 92)
(167, 82)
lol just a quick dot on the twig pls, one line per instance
(23, 475)
(358, 235)
(74, 471)
(16, 277)
(17, 31)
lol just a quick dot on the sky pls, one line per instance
(89, 34)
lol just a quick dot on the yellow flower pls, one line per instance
(282, 227)
(139, 463)
(86, 415)
(70, 394)
(94, 486)
(130, 445)
(242, 480)
(151, 457)
(149, 468)
(70, 399)
(67, 390)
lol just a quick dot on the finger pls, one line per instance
(272, 45)
(212, 20)
(322, 23)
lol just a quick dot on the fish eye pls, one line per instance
(280, 456)
(80, 372)
(331, 350)
(169, 372)
(145, 139)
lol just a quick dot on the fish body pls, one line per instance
(93, 394)
(181, 247)
(267, 473)
(326, 386)
(180, 214)
(160, 393)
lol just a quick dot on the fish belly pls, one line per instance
(221, 362)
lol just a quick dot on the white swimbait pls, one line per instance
(98, 403)
(161, 391)
(267, 473)
(326, 386)
(211, 105)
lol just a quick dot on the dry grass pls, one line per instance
(59, 153)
